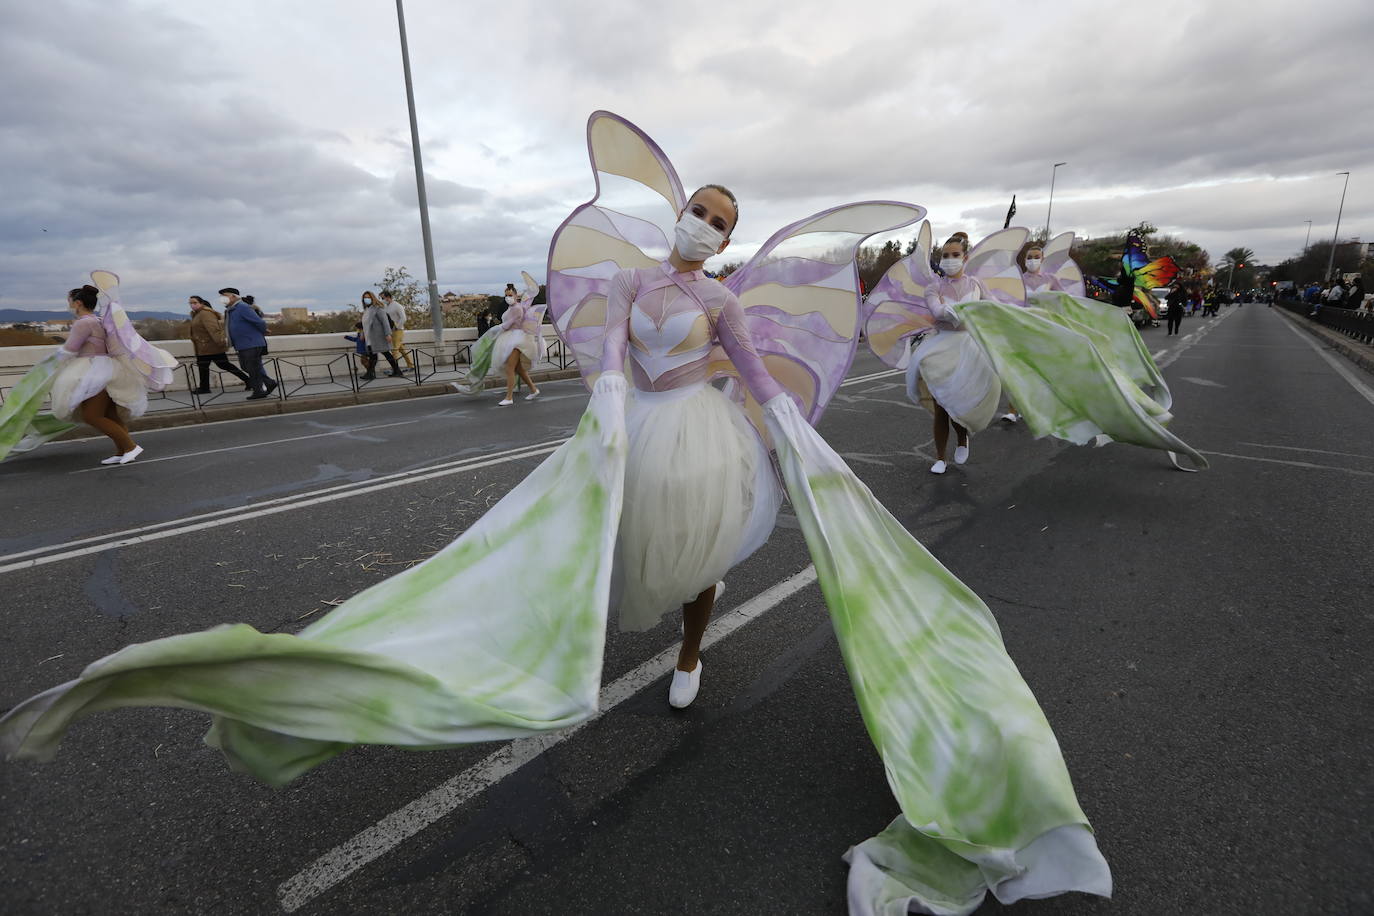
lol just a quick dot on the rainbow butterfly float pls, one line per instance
(1147, 274)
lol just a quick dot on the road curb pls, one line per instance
(1358, 354)
(272, 406)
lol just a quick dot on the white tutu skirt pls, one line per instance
(511, 341)
(700, 496)
(950, 369)
(83, 377)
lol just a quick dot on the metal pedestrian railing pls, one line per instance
(1354, 323)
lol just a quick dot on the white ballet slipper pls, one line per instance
(960, 454)
(1011, 417)
(506, 403)
(532, 395)
(938, 467)
(131, 455)
(113, 459)
(684, 688)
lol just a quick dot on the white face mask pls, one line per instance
(950, 267)
(510, 300)
(695, 240)
(223, 300)
(1032, 264)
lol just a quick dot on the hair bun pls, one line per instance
(959, 235)
(88, 288)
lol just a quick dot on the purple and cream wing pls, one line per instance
(896, 307)
(993, 262)
(598, 239)
(800, 295)
(154, 364)
(1061, 266)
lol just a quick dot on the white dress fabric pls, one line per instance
(82, 377)
(700, 496)
(955, 370)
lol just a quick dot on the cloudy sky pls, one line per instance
(264, 144)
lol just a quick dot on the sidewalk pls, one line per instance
(241, 409)
(1360, 354)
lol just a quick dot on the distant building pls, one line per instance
(295, 314)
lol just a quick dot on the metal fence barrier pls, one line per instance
(1354, 323)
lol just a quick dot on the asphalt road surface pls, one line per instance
(1200, 643)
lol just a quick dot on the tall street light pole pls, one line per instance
(1307, 244)
(1331, 259)
(1050, 210)
(435, 310)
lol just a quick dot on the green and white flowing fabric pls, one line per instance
(1065, 377)
(986, 799)
(1120, 342)
(23, 426)
(481, 362)
(477, 643)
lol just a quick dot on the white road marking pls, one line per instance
(394, 829)
(1341, 369)
(1315, 451)
(1294, 464)
(230, 448)
(871, 376)
(142, 535)
(1204, 382)
(1189, 340)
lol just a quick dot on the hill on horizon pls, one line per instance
(10, 316)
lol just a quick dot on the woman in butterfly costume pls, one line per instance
(1075, 368)
(101, 375)
(514, 345)
(478, 644)
(948, 372)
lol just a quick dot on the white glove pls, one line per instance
(608, 405)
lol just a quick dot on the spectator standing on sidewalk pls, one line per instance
(377, 333)
(1354, 297)
(359, 345)
(396, 314)
(248, 334)
(211, 343)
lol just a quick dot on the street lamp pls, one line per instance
(1331, 259)
(435, 309)
(1308, 243)
(1053, 172)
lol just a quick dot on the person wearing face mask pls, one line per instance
(699, 492)
(1031, 275)
(949, 374)
(210, 343)
(396, 314)
(518, 345)
(248, 333)
(377, 333)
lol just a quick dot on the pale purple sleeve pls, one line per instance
(739, 346)
(619, 299)
(512, 317)
(81, 330)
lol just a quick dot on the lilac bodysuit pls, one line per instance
(667, 335)
(1040, 282)
(87, 337)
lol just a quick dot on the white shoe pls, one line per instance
(938, 467)
(684, 688)
(130, 456)
(720, 589)
(961, 454)
(113, 459)
(506, 403)
(1011, 417)
(532, 395)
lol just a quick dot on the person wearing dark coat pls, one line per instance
(1175, 300)
(248, 333)
(210, 343)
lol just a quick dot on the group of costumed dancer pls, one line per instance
(100, 375)
(666, 485)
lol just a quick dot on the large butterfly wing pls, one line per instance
(896, 308)
(993, 262)
(153, 363)
(1058, 263)
(1134, 257)
(1157, 273)
(800, 295)
(595, 242)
